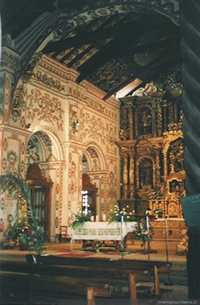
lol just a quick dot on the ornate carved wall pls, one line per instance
(40, 127)
(151, 149)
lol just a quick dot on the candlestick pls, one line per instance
(104, 217)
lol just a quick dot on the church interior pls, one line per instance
(92, 113)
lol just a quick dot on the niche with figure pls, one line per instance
(176, 155)
(146, 172)
(145, 121)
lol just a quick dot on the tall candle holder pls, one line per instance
(148, 232)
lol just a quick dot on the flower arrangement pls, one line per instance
(156, 195)
(96, 244)
(80, 219)
(140, 231)
(118, 213)
(28, 227)
(21, 232)
(158, 212)
(32, 232)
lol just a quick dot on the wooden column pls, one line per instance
(125, 175)
(130, 120)
(164, 105)
(131, 173)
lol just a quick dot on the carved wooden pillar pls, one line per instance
(136, 123)
(164, 105)
(159, 120)
(131, 173)
(130, 120)
(165, 161)
(154, 131)
(157, 171)
(175, 114)
(125, 175)
(170, 113)
(123, 123)
(189, 16)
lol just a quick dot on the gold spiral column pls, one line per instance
(125, 175)
(131, 173)
(130, 121)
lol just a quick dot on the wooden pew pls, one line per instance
(89, 277)
(41, 283)
(96, 266)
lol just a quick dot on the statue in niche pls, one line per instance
(176, 156)
(145, 121)
(175, 188)
(146, 173)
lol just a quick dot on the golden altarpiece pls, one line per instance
(152, 148)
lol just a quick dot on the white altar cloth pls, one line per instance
(102, 230)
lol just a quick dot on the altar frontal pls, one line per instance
(103, 230)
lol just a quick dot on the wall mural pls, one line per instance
(11, 161)
(94, 128)
(17, 104)
(34, 148)
(45, 107)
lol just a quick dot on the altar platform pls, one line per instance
(161, 251)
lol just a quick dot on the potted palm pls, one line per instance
(28, 228)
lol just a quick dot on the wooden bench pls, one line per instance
(62, 286)
(59, 276)
(95, 267)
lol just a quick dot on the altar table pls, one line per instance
(115, 231)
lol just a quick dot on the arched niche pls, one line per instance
(146, 172)
(94, 166)
(95, 157)
(89, 195)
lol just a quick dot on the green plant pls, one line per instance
(38, 234)
(15, 184)
(96, 244)
(80, 219)
(140, 231)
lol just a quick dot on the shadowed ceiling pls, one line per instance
(117, 49)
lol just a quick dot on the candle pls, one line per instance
(92, 218)
(104, 217)
(97, 217)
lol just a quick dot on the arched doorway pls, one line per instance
(40, 188)
(44, 159)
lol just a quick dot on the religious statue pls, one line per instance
(145, 121)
